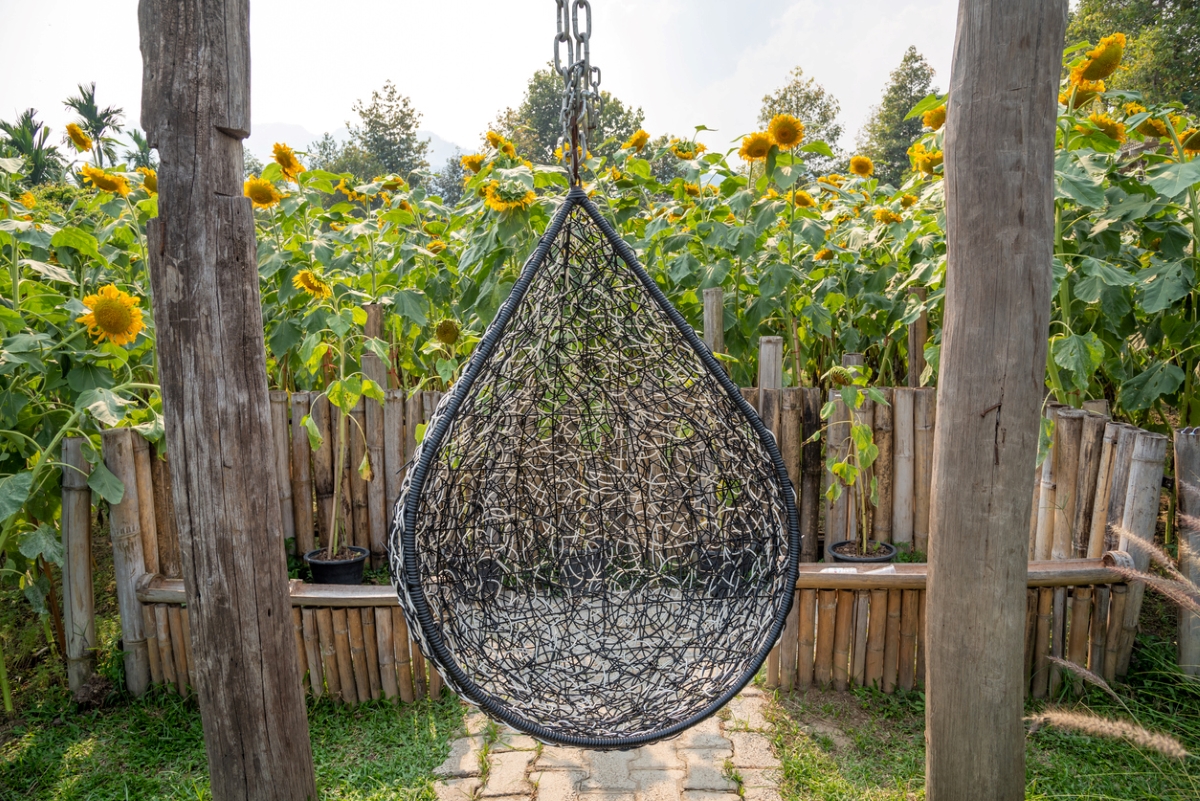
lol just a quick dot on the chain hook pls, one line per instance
(582, 101)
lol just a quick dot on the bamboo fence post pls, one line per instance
(358, 654)
(142, 463)
(1139, 520)
(811, 467)
(876, 633)
(393, 448)
(906, 676)
(858, 657)
(924, 407)
(1122, 460)
(164, 516)
(1033, 512)
(770, 362)
(403, 662)
(1031, 602)
(806, 640)
(312, 651)
(1044, 543)
(1104, 479)
(769, 411)
(1099, 633)
(386, 649)
(79, 611)
(329, 657)
(129, 565)
(374, 369)
(826, 616)
(1058, 637)
(166, 649)
(153, 649)
(1041, 649)
(791, 404)
(281, 446)
(882, 527)
(183, 679)
(435, 683)
(345, 660)
(837, 512)
(185, 618)
(788, 644)
(714, 319)
(891, 642)
(921, 643)
(1187, 486)
(417, 659)
(918, 334)
(302, 485)
(1091, 443)
(902, 467)
(1098, 406)
(1116, 622)
(842, 636)
(1066, 473)
(413, 417)
(323, 466)
(358, 484)
(301, 654)
(371, 652)
(1077, 643)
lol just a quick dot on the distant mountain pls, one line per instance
(264, 135)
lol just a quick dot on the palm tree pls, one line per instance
(96, 122)
(140, 155)
(27, 137)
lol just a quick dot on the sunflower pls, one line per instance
(786, 131)
(1111, 128)
(615, 174)
(1085, 92)
(687, 150)
(1102, 60)
(346, 190)
(824, 254)
(755, 146)
(496, 140)
(149, 179)
(935, 118)
(27, 200)
(925, 161)
(1190, 139)
(473, 162)
(908, 201)
(558, 153)
(262, 193)
(435, 246)
(833, 179)
(78, 138)
(637, 141)
(285, 157)
(105, 181)
(886, 215)
(393, 183)
(861, 166)
(112, 315)
(447, 332)
(313, 284)
(692, 189)
(507, 197)
(803, 200)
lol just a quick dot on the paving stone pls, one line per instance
(750, 691)
(706, 795)
(657, 785)
(752, 750)
(507, 776)
(658, 756)
(706, 734)
(513, 741)
(600, 795)
(748, 714)
(463, 759)
(761, 794)
(475, 723)
(556, 758)
(754, 777)
(609, 771)
(557, 785)
(456, 789)
(706, 770)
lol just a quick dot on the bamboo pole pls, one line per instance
(420, 685)
(329, 659)
(1122, 461)
(1031, 601)
(358, 654)
(79, 611)
(907, 677)
(142, 462)
(1116, 621)
(876, 633)
(312, 651)
(281, 447)
(1044, 543)
(377, 502)
(882, 521)
(714, 319)
(302, 485)
(826, 615)
(393, 448)
(791, 403)
(166, 648)
(358, 484)
(371, 651)
(1041, 650)
(858, 656)
(891, 641)
(386, 649)
(1104, 479)
(1058, 638)
(918, 334)
(345, 664)
(924, 407)
(153, 650)
(843, 634)
(435, 683)
(806, 641)
(164, 515)
(788, 643)
(861, 514)
(837, 512)
(921, 641)
(323, 466)
(183, 679)
(301, 654)
(403, 662)
(1187, 488)
(812, 468)
(129, 565)
(1141, 516)
(1099, 633)
(1077, 643)
(903, 466)
(1098, 406)
(1066, 474)
(1091, 442)
(770, 363)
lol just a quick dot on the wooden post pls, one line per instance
(129, 565)
(902, 467)
(1187, 485)
(79, 612)
(924, 405)
(1058, 637)
(312, 651)
(999, 182)
(393, 448)
(876, 634)
(1041, 648)
(302, 487)
(811, 466)
(1031, 603)
(142, 466)
(1122, 460)
(770, 362)
(823, 659)
(1141, 516)
(882, 522)
(1099, 634)
(891, 641)
(212, 368)
(907, 676)
(1116, 622)
(1091, 443)
(1044, 537)
(164, 515)
(329, 660)
(918, 334)
(323, 467)
(788, 644)
(403, 662)
(1081, 621)
(714, 319)
(1098, 525)
(1066, 473)
(806, 640)
(843, 634)
(281, 447)
(858, 656)
(387, 651)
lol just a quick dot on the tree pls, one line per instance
(140, 155)
(331, 155)
(999, 148)
(809, 102)
(388, 133)
(27, 138)
(1162, 50)
(887, 136)
(97, 122)
(535, 126)
(448, 181)
(251, 165)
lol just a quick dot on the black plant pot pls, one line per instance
(342, 571)
(888, 555)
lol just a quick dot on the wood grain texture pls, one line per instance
(891, 641)
(312, 652)
(143, 470)
(843, 638)
(1098, 524)
(302, 487)
(125, 530)
(1137, 525)
(882, 431)
(902, 466)
(999, 182)
(1099, 634)
(79, 606)
(823, 659)
(918, 334)
(329, 660)
(1091, 444)
(907, 669)
(876, 633)
(811, 468)
(806, 641)
(281, 450)
(1187, 487)
(212, 370)
(1067, 436)
(164, 514)
(924, 415)
(166, 647)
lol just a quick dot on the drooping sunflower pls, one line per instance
(447, 332)
(508, 197)
(687, 151)
(1085, 92)
(79, 139)
(786, 131)
(1111, 128)
(112, 315)
(803, 200)
(908, 201)
(435, 246)
(473, 162)
(27, 200)
(262, 193)
(393, 183)
(495, 140)
(349, 192)
(1102, 60)
(105, 181)
(886, 215)
(833, 179)
(926, 161)
(149, 179)
(862, 166)
(935, 118)
(637, 141)
(693, 190)
(312, 284)
(1190, 139)
(824, 254)
(285, 157)
(755, 146)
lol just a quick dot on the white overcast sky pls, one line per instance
(685, 62)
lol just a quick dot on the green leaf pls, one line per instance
(53, 272)
(1139, 392)
(314, 435)
(106, 485)
(42, 541)
(14, 491)
(88, 376)
(1163, 285)
(411, 305)
(446, 368)
(10, 320)
(378, 347)
(925, 104)
(103, 404)
(11, 165)
(284, 338)
(1080, 356)
(78, 239)
(1172, 179)
(372, 390)
(819, 148)
(1110, 275)
(345, 393)
(639, 168)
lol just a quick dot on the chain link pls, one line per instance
(582, 102)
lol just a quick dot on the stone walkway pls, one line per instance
(726, 758)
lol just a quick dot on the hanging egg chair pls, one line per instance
(596, 542)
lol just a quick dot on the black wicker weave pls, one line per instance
(597, 541)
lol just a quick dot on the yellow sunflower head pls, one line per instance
(786, 131)
(862, 166)
(1190, 139)
(908, 201)
(508, 196)
(692, 189)
(1111, 128)
(27, 200)
(285, 157)
(473, 162)
(756, 146)
(687, 150)
(1102, 60)
(925, 161)
(935, 118)
(824, 254)
(833, 179)
(149, 179)
(496, 140)
(637, 141)
(886, 215)
(1085, 92)
(803, 200)
(262, 193)
(78, 138)
(112, 315)
(105, 181)
(435, 246)
(312, 284)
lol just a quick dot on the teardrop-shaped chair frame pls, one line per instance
(403, 537)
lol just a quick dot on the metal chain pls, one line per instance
(582, 103)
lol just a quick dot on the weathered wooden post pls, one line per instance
(1187, 484)
(999, 213)
(79, 614)
(212, 367)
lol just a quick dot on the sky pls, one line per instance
(684, 62)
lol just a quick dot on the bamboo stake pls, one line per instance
(812, 468)
(1044, 543)
(1099, 406)
(329, 659)
(902, 467)
(376, 487)
(79, 611)
(281, 451)
(1077, 643)
(371, 651)
(918, 333)
(153, 650)
(858, 657)
(1091, 443)
(823, 661)
(842, 636)
(1031, 601)
(301, 654)
(129, 565)
(1066, 473)
(1058, 641)
(770, 362)
(323, 463)
(1116, 621)
(345, 663)
(1141, 516)
(882, 530)
(146, 514)
(891, 642)
(861, 514)
(1187, 487)
(393, 448)
(358, 654)
(302, 485)
(1099, 634)
(837, 512)
(908, 640)
(164, 516)
(787, 646)
(921, 642)
(179, 648)
(1122, 460)
(386, 649)
(312, 651)
(1104, 481)
(714, 319)
(403, 664)
(924, 408)
(791, 403)
(876, 633)
(166, 649)
(358, 484)
(806, 641)
(1041, 650)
